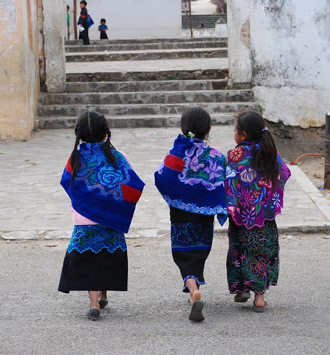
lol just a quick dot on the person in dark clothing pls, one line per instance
(83, 21)
(103, 28)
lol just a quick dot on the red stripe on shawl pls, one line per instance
(68, 166)
(131, 194)
(173, 162)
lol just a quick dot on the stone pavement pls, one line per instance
(147, 65)
(152, 317)
(34, 205)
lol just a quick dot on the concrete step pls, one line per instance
(208, 20)
(158, 97)
(136, 86)
(101, 47)
(142, 109)
(147, 55)
(144, 41)
(180, 74)
(135, 121)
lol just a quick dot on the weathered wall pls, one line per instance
(19, 68)
(54, 30)
(135, 19)
(284, 46)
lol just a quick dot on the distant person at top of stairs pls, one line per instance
(103, 28)
(83, 22)
(68, 19)
(185, 7)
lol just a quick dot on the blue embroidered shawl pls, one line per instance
(192, 176)
(100, 192)
(251, 199)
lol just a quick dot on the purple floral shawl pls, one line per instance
(250, 197)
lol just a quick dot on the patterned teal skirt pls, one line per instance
(96, 260)
(253, 258)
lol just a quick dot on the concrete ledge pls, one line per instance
(312, 228)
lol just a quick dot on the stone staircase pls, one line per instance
(207, 20)
(156, 81)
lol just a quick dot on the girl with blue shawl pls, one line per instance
(104, 191)
(191, 181)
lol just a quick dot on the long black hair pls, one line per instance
(91, 127)
(197, 121)
(265, 158)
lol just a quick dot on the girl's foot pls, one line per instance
(259, 300)
(103, 302)
(196, 313)
(259, 303)
(242, 297)
(93, 314)
(93, 300)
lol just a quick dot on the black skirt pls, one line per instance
(96, 260)
(103, 35)
(191, 238)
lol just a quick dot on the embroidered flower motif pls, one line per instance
(265, 183)
(248, 175)
(236, 154)
(195, 165)
(215, 153)
(261, 266)
(245, 197)
(213, 170)
(249, 216)
(230, 173)
(109, 178)
(276, 200)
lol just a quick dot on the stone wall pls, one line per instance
(283, 48)
(54, 30)
(134, 19)
(19, 67)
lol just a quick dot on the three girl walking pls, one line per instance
(197, 182)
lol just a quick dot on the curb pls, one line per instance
(20, 235)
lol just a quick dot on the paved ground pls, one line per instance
(34, 205)
(202, 7)
(151, 318)
(147, 65)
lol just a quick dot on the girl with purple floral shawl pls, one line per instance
(191, 181)
(256, 176)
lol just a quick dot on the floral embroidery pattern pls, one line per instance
(191, 236)
(97, 173)
(253, 258)
(250, 197)
(191, 207)
(236, 154)
(96, 238)
(203, 165)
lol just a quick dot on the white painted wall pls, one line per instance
(288, 57)
(134, 19)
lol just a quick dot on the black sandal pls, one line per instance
(103, 303)
(196, 314)
(242, 297)
(259, 309)
(93, 314)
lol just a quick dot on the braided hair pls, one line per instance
(92, 127)
(265, 158)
